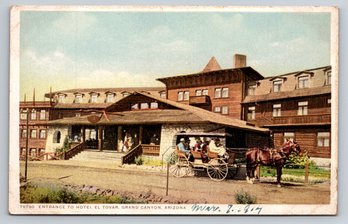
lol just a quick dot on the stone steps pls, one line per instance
(95, 155)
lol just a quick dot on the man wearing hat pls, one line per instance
(184, 146)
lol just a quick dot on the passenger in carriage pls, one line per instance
(198, 146)
(184, 146)
(216, 146)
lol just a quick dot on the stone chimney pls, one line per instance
(239, 60)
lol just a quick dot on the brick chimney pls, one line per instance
(239, 60)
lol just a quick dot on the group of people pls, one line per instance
(214, 145)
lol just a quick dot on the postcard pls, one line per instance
(162, 110)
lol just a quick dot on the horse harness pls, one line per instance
(272, 153)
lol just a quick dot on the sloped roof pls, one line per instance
(288, 94)
(212, 65)
(183, 114)
(166, 116)
(104, 90)
(204, 115)
(82, 105)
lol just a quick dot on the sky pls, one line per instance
(66, 50)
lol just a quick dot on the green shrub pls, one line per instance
(30, 194)
(243, 197)
(139, 160)
(298, 161)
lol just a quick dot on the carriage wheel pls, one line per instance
(179, 166)
(217, 169)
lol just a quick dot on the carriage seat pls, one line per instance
(195, 154)
(180, 153)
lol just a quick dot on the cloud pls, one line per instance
(74, 23)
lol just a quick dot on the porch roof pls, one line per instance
(135, 117)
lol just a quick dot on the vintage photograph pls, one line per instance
(128, 110)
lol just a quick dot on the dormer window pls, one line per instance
(94, 97)
(125, 93)
(328, 78)
(277, 85)
(78, 98)
(110, 97)
(61, 98)
(163, 94)
(303, 81)
(251, 89)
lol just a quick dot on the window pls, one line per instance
(251, 113)
(124, 94)
(109, 97)
(42, 114)
(186, 95)
(277, 110)
(180, 96)
(302, 108)
(224, 109)
(78, 115)
(42, 134)
(94, 98)
(61, 98)
(224, 92)
(24, 133)
(154, 105)
(33, 133)
(217, 93)
(217, 109)
(163, 95)
(303, 82)
(251, 89)
(78, 98)
(144, 106)
(23, 115)
(33, 115)
(289, 136)
(329, 101)
(198, 92)
(205, 92)
(323, 139)
(135, 106)
(277, 85)
(328, 78)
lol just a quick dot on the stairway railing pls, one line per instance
(74, 151)
(131, 154)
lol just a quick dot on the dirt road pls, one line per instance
(195, 188)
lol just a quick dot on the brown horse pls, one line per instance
(270, 157)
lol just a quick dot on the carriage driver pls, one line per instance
(184, 146)
(216, 146)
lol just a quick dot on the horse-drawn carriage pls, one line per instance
(217, 167)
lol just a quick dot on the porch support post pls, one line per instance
(83, 134)
(140, 134)
(100, 138)
(119, 139)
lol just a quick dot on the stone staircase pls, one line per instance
(98, 156)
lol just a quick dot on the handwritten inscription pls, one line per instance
(231, 209)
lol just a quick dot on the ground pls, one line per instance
(197, 189)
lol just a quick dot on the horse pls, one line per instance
(270, 157)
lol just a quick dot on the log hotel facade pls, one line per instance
(253, 110)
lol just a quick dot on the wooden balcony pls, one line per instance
(198, 100)
(315, 119)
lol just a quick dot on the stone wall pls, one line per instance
(51, 146)
(168, 140)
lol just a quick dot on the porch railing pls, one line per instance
(150, 150)
(131, 154)
(74, 151)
